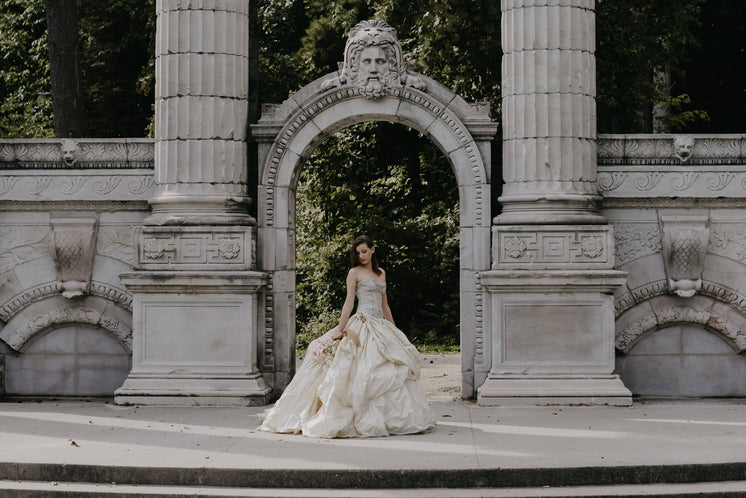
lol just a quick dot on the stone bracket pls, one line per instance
(684, 241)
(73, 243)
(195, 248)
(552, 247)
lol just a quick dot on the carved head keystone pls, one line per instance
(373, 61)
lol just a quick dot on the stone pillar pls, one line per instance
(550, 330)
(201, 112)
(197, 297)
(549, 112)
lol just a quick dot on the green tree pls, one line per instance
(25, 85)
(635, 41)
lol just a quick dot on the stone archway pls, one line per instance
(287, 134)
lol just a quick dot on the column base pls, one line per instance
(191, 391)
(542, 390)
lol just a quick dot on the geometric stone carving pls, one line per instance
(373, 62)
(195, 248)
(684, 243)
(73, 245)
(552, 246)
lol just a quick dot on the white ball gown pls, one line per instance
(342, 390)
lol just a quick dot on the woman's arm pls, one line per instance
(386, 310)
(347, 308)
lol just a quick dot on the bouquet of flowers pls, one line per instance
(323, 349)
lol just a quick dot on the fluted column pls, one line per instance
(549, 112)
(201, 109)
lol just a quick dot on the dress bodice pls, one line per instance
(369, 297)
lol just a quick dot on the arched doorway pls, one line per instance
(288, 133)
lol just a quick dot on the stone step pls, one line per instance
(347, 479)
(31, 489)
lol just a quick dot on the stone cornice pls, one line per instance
(682, 166)
(81, 153)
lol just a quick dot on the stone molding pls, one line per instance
(649, 166)
(89, 153)
(195, 248)
(81, 185)
(671, 315)
(20, 244)
(552, 247)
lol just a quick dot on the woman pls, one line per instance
(362, 377)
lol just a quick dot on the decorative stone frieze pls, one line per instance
(194, 248)
(20, 244)
(664, 149)
(73, 245)
(649, 166)
(76, 154)
(684, 244)
(552, 246)
(634, 240)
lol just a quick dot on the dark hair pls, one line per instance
(354, 261)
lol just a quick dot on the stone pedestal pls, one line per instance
(551, 329)
(195, 317)
(194, 339)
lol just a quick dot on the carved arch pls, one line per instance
(287, 134)
(56, 312)
(660, 314)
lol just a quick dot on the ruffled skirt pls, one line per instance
(344, 391)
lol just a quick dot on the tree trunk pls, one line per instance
(64, 66)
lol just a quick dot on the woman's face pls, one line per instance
(364, 253)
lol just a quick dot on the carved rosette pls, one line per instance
(684, 246)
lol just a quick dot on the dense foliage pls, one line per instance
(390, 182)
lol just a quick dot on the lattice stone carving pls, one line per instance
(684, 245)
(555, 247)
(73, 246)
(196, 248)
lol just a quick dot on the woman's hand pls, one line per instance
(353, 337)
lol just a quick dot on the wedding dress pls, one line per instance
(342, 390)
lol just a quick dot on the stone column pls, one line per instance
(550, 330)
(201, 112)
(197, 297)
(549, 112)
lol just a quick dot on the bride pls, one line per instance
(361, 378)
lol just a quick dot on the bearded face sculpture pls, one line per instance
(373, 62)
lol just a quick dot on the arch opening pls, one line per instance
(295, 128)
